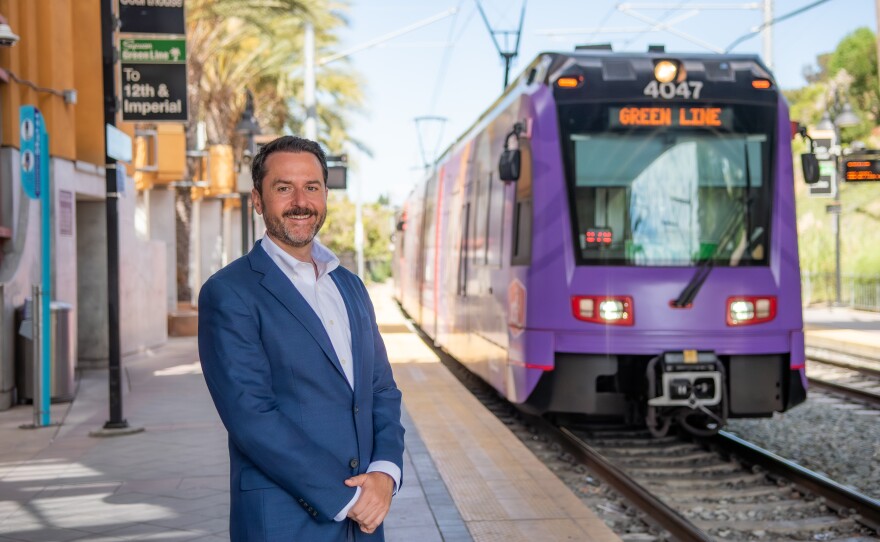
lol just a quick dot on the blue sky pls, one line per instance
(451, 69)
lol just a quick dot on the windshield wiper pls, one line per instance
(690, 291)
(686, 297)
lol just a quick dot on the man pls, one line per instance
(298, 371)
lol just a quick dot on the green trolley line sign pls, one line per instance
(153, 73)
(165, 51)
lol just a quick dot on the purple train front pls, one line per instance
(638, 261)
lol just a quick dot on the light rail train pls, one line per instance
(616, 237)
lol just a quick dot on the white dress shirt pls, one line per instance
(313, 282)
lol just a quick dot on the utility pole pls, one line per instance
(108, 27)
(508, 55)
(877, 15)
(117, 424)
(310, 128)
(767, 33)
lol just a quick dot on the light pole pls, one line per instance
(844, 116)
(248, 127)
(310, 126)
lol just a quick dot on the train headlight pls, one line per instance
(747, 310)
(603, 309)
(612, 310)
(665, 71)
(740, 311)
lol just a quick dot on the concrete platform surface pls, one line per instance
(466, 477)
(844, 330)
(168, 483)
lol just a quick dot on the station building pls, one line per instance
(59, 50)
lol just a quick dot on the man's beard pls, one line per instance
(278, 229)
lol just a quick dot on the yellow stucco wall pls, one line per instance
(60, 48)
(45, 56)
(88, 79)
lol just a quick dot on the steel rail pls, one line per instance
(850, 391)
(844, 361)
(837, 495)
(657, 511)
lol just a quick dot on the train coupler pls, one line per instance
(687, 388)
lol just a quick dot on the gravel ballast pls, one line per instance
(827, 435)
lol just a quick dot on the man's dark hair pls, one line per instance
(285, 144)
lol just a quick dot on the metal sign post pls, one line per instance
(35, 181)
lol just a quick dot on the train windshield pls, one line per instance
(670, 186)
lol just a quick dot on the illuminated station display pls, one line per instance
(859, 169)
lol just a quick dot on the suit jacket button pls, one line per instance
(354, 463)
(356, 409)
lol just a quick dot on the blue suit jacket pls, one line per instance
(296, 428)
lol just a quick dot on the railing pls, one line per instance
(856, 291)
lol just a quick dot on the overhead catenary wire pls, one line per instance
(601, 24)
(451, 41)
(647, 29)
(772, 22)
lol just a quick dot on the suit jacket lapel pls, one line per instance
(277, 283)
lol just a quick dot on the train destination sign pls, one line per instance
(861, 169)
(153, 79)
(679, 117)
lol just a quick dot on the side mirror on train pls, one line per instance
(810, 166)
(809, 162)
(509, 163)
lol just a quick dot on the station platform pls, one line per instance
(500, 489)
(843, 330)
(466, 477)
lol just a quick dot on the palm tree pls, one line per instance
(234, 45)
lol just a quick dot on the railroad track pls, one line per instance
(856, 378)
(720, 488)
(695, 490)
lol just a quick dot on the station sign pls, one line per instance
(153, 74)
(823, 142)
(34, 155)
(861, 169)
(337, 169)
(152, 16)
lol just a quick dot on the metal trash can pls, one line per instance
(61, 359)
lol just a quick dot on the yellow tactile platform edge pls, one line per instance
(502, 491)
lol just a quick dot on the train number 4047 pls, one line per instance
(686, 89)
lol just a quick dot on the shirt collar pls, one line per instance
(323, 257)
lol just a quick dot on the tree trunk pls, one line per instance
(183, 203)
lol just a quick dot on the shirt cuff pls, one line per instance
(388, 468)
(344, 513)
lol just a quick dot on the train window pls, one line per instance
(673, 195)
(522, 239)
(478, 247)
(463, 251)
(522, 210)
(672, 201)
(495, 219)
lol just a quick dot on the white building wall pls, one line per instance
(79, 269)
